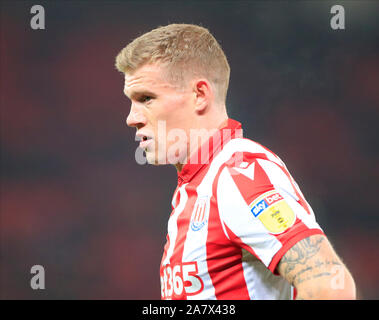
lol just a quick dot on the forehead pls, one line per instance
(149, 77)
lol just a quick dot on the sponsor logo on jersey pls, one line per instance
(273, 211)
(180, 280)
(200, 213)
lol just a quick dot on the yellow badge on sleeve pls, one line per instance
(273, 211)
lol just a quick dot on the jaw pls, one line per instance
(173, 155)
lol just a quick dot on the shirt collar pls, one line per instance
(214, 144)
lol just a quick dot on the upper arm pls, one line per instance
(315, 270)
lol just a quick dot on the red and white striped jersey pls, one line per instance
(233, 217)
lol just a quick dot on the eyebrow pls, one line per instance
(139, 93)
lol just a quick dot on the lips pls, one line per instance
(144, 140)
(145, 143)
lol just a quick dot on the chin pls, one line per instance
(173, 159)
(154, 160)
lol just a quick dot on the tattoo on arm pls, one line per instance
(301, 252)
(304, 262)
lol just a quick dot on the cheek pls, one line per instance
(175, 103)
(178, 109)
(174, 112)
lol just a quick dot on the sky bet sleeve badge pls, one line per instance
(273, 211)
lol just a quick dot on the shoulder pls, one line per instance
(239, 155)
(256, 172)
(249, 170)
(248, 150)
(243, 159)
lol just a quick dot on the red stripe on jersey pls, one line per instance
(259, 185)
(224, 260)
(175, 199)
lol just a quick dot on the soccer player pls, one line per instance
(240, 228)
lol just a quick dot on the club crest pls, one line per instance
(200, 213)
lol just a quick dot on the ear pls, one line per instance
(203, 93)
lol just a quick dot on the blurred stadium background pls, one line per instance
(72, 197)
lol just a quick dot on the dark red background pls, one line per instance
(73, 198)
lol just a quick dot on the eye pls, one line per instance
(145, 99)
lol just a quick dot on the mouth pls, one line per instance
(145, 141)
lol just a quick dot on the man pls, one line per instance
(240, 227)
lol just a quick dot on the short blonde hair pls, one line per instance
(186, 50)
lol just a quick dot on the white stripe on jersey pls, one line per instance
(195, 249)
(173, 222)
(261, 283)
(173, 202)
(237, 216)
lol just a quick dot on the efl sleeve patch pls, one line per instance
(273, 211)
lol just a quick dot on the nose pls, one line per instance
(135, 117)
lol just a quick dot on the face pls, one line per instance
(160, 112)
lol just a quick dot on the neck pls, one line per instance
(222, 122)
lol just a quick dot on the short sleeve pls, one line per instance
(262, 208)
